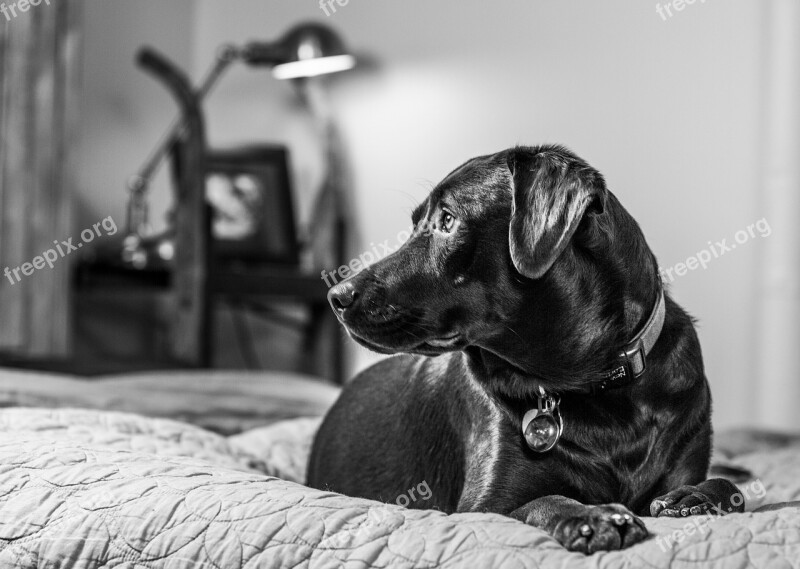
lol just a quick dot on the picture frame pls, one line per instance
(252, 213)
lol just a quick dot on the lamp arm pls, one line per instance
(139, 181)
(138, 184)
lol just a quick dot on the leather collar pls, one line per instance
(632, 359)
(542, 427)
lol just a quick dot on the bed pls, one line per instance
(90, 488)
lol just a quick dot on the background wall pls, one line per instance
(669, 110)
(125, 111)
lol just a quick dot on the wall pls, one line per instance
(668, 110)
(125, 111)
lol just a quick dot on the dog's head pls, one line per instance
(524, 255)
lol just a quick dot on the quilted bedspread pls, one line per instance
(88, 489)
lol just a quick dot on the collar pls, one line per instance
(543, 426)
(632, 359)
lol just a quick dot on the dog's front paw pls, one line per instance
(720, 499)
(600, 528)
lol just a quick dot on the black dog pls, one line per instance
(526, 292)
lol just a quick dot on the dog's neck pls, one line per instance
(518, 387)
(632, 358)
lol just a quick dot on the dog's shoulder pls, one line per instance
(410, 369)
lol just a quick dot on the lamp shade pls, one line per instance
(309, 50)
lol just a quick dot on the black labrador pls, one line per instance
(549, 377)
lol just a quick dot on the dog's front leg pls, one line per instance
(714, 496)
(583, 528)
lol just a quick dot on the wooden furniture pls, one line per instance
(189, 338)
(198, 278)
(123, 321)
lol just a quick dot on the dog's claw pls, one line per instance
(657, 507)
(601, 528)
(687, 501)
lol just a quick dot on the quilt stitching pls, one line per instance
(75, 485)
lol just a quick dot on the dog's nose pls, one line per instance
(342, 296)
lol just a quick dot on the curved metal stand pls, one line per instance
(191, 314)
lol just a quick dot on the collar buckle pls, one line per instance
(632, 359)
(632, 364)
(635, 357)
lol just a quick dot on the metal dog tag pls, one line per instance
(542, 427)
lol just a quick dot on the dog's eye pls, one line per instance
(446, 222)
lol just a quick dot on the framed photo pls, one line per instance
(252, 211)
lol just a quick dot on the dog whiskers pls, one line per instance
(410, 332)
(421, 327)
(510, 329)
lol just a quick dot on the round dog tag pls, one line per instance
(542, 433)
(542, 427)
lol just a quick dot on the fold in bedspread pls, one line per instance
(90, 489)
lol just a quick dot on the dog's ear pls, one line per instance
(552, 191)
